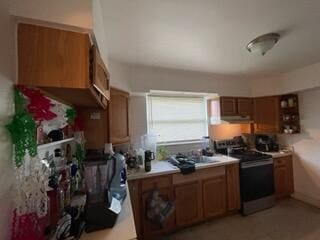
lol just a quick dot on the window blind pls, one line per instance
(175, 119)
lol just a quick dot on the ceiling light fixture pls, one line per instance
(263, 43)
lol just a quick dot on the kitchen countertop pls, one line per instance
(124, 229)
(279, 154)
(164, 167)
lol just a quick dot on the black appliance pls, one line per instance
(256, 175)
(265, 143)
(99, 170)
(148, 157)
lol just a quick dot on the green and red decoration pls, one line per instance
(22, 129)
(71, 115)
(38, 105)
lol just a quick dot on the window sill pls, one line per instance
(179, 143)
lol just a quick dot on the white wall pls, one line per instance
(306, 146)
(297, 80)
(99, 30)
(7, 73)
(76, 13)
(120, 75)
(144, 78)
(119, 72)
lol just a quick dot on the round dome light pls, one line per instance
(263, 43)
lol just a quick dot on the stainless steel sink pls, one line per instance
(196, 158)
(205, 159)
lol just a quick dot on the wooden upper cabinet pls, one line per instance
(266, 114)
(107, 126)
(245, 106)
(214, 196)
(49, 57)
(60, 62)
(283, 177)
(236, 106)
(228, 106)
(119, 116)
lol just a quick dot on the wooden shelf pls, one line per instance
(292, 112)
(46, 145)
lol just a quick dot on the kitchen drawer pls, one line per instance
(198, 175)
(281, 161)
(155, 183)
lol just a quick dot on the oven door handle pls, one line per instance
(257, 163)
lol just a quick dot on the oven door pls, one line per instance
(256, 180)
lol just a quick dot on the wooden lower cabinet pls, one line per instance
(151, 230)
(233, 187)
(214, 197)
(205, 194)
(188, 203)
(283, 177)
(135, 193)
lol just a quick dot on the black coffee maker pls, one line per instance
(265, 143)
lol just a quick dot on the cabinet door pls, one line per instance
(135, 202)
(214, 197)
(119, 116)
(228, 106)
(283, 176)
(95, 127)
(49, 57)
(149, 229)
(245, 106)
(266, 114)
(101, 75)
(188, 203)
(233, 187)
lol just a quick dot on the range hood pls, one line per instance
(236, 119)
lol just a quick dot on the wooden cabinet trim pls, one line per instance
(155, 183)
(201, 174)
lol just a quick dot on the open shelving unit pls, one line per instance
(289, 114)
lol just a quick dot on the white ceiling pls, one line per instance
(211, 35)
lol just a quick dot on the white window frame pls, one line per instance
(184, 95)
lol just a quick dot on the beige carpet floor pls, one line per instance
(288, 220)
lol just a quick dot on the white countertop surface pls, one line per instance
(279, 154)
(164, 167)
(124, 229)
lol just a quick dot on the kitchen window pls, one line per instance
(177, 119)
